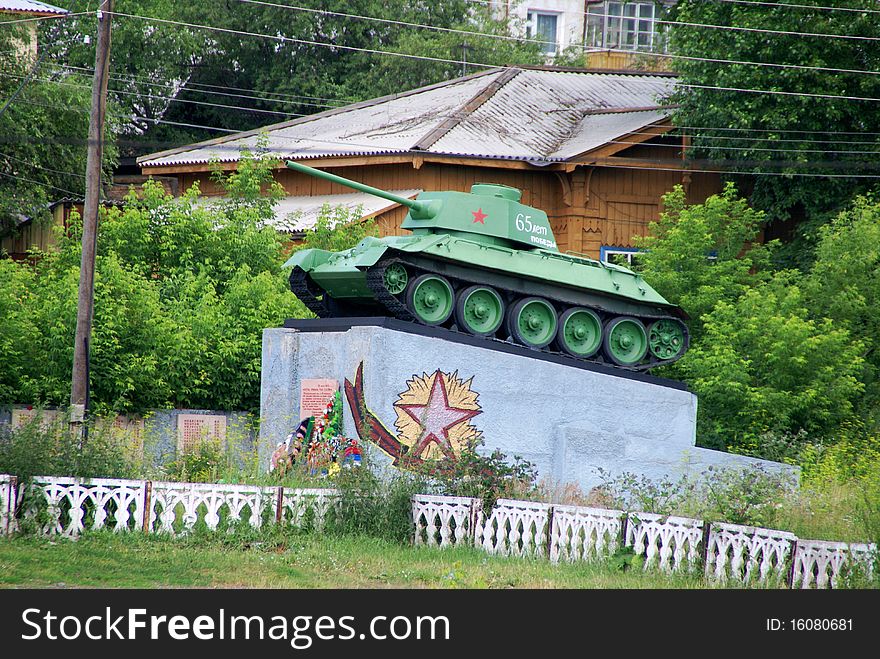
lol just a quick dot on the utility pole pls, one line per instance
(79, 390)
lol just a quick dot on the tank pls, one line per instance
(484, 264)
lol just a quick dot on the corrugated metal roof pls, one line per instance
(30, 7)
(532, 115)
(296, 214)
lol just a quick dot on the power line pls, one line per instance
(231, 131)
(45, 185)
(698, 136)
(121, 117)
(746, 90)
(718, 60)
(765, 149)
(172, 99)
(404, 23)
(307, 42)
(448, 61)
(44, 18)
(778, 130)
(47, 169)
(800, 6)
(188, 86)
(583, 47)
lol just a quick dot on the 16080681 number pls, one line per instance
(821, 624)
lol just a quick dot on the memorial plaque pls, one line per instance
(314, 396)
(194, 428)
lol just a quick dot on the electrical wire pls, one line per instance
(448, 61)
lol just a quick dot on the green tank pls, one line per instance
(484, 264)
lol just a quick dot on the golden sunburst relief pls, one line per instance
(433, 415)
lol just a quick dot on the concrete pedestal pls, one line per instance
(428, 392)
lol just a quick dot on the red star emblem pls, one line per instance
(436, 417)
(479, 216)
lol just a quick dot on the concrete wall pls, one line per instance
(158, 432)
(569, 421)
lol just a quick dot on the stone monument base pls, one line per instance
(411, 393)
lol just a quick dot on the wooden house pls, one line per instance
(594, 149)
(32, 235)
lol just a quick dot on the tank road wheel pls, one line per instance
(532, 322)
(430, 299)
(395, 278)
(626, 341)
(580, 332)
(666, 338)
(479, 310)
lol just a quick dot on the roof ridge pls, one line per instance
(445, 126)
(625, 110)
(312, 117)
(593, 71)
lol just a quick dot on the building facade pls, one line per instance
(614, 34)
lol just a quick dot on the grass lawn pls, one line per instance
(294, 561)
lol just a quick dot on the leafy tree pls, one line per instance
(698, 255)
(782, 132)
(169, 72)
(337, 229)
(844, 284)
(765, 360)
(43, 132)
(765, 365)
(184, 288)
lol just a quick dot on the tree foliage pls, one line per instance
(764, 365)
(772, 353)
(696, 254)
(183, 290)
(43, 133)
(784, 131)
(844, 284)
(230, 77)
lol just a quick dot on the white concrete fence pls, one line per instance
(727, 553)
(68, 506)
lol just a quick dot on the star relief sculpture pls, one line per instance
(437, 417)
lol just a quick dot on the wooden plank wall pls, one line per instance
(35, 235)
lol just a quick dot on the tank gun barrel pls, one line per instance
(419, 210)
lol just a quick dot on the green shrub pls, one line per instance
(373, 504)
(485, 477)
(629, 491)
(38, 449)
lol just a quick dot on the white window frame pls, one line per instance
(608, 251)
(532, 28)
(611, 21)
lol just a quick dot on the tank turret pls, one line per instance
(485, 264)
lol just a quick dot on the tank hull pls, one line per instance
(353, 283)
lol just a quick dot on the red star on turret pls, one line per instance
(479, 216)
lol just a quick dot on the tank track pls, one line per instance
(302, 287)
(395, 308)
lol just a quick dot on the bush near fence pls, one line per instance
(728, 554)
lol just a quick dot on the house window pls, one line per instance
(545, 27)
(624, 25)
(625, 256)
